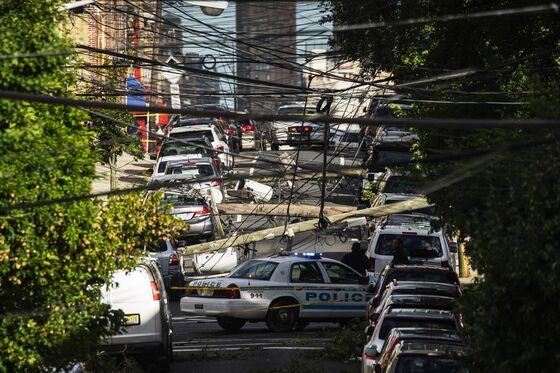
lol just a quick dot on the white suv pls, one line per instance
(140, 294)
(421, 244)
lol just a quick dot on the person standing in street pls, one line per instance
(357, 260)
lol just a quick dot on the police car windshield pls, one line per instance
(429, 364)
(416, 246)
(255, 269)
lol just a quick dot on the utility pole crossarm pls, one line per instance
(270, 233)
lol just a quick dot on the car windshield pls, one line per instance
(429, 364)
(192, 122)
(423, 276)
(391, 323)
(176, 148)
(191, 134)
(255, 269)
(201, 170)
(415, 246)
(296, 110)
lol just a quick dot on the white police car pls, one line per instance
(284, 291)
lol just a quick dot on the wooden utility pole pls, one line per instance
(305, 211)
(270, 233)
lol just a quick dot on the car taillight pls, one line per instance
(371, 261)
(234, 292)
(173, 260)
(231, 131)
(219, 148)
(306, 129)
(293, 129)
(156, 295)
(205, 211)
(216, 183)
(247, 127)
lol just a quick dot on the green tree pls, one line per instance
(111, 138)
(508, 206)
(55, 258)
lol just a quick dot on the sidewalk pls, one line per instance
(130, 173)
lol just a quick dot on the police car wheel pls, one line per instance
(282, 319)
(230, 323)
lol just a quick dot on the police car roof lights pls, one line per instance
(309, 255)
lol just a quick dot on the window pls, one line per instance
(306, 272)
(255, 269)
(418, 246)
(262, 67)
(192, 134)
(161, 167)
(389, 324)
(339, 274)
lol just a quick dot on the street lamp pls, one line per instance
(211, 8)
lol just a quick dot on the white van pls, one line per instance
(140, 294)
(421, 244)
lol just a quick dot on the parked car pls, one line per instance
(186, 146)
(410, 273)
(294, 132)
(421, 243)
(398, 336)
(196, 176)
(250, 138)
(164, 253)
(194, 210)
(435, 302)
(286, 291)
(140, 294)
(404, 318)
(211, 132)
(416, 288)
(419, 356)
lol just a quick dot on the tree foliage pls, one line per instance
(507, 207)
(54, 259)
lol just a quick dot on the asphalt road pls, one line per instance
(200, 345)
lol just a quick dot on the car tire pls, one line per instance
(274, 146)
(230, 323)
(284, 318)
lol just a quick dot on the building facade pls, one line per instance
(266, 51)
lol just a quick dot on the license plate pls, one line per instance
(132, 319)
(199, 306)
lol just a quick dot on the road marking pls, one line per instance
(238, 219)
(251, 170)
(254, 160)
(342, 160)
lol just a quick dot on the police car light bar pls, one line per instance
(309, 255)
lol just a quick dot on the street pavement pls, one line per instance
(200, 345)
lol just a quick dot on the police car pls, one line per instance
(285, 291)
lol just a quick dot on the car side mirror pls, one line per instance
(371, 288)
(453, 248)
(369, 330)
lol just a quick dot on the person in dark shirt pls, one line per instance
(399, 256)
(356, 259)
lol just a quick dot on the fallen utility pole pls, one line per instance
(355, 172)
(270, 233)
(304, 211)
